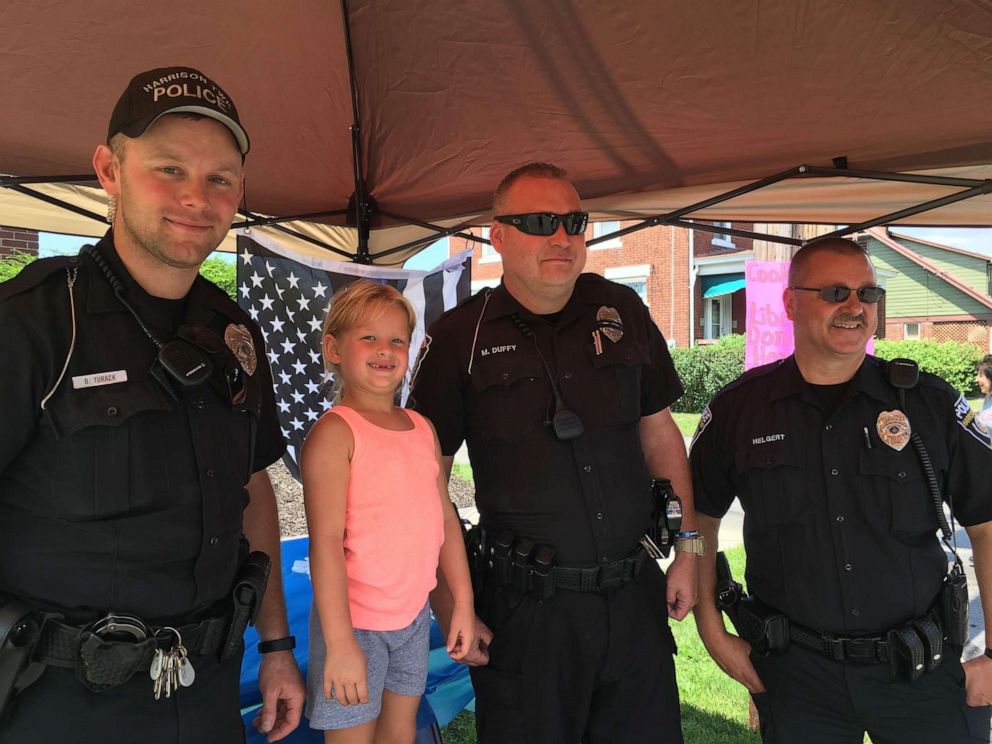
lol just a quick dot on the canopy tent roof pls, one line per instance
(649, 105)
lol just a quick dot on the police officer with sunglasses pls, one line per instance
(138, 420)
(561, 384)
(842, 464)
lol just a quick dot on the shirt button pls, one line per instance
(214, 540)
(847, 566)
(829, 427)
(210, 473)
(604, 559)
(856, 613)
(840, 517)
(567, 375)
(902, 474)
(599, 515)
(199, 404)
(834, 471)
(505, 375)
(587, 468)
(112, 411)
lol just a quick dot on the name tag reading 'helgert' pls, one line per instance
(99, 378)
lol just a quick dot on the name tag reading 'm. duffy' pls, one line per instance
(99, 378)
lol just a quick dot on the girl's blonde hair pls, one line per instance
(359, 301)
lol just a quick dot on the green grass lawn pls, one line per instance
(687, 423)
(714, 707)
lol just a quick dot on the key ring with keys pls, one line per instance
(170, 669)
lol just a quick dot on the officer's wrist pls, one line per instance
(288, 643)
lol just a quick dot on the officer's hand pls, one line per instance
(283, 695)
(978, 681)
(478, 653)
(461, 633)
(732, 655)
(346, 674)
(683, 585)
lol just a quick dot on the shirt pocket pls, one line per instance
(618, 371)
(513, 396)
(772, 484)
(898, 480)
(94, 470)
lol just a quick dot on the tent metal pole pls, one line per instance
(886, 176)
(314, 241)
(363, 219)
(735, 232)
(58, 203)
(7, 181)
(259, 220)
(984, 188)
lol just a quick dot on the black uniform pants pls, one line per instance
(579, 667)
(813, 700)
(57, 708)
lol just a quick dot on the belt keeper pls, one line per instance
(277, 644)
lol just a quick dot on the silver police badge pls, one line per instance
(608, 321)
(893, 429)
(238, 340)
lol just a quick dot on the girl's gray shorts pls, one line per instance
(397, 661)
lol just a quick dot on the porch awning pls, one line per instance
(715, 285)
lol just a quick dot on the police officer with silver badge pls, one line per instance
(138, 420)
(853, 620)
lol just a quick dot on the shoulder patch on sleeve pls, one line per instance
(704, 420)
(968, 420)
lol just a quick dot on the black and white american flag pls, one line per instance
(287, 294)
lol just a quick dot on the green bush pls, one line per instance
(951, 360)
(10, 266)
(704, 370)
(222, 273)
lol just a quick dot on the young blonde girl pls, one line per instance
(381, 524)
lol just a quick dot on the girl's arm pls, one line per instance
(324, 469)
(453, 567)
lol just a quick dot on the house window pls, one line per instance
(723, 241)
(488, 254)
(716, 316)
(635, 277)
(605, 228)
(911, 331)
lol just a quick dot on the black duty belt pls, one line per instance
(59, 643)
(599, 578)
(852, 649)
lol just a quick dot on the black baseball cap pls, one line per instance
(171, 90)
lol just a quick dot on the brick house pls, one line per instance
(16, 238)
(655, 262)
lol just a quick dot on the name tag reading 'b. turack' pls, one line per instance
(99, 378)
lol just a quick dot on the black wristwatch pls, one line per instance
(277, 644)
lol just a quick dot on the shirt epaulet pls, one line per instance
(35, 273)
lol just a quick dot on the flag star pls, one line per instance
(319, 290)
(315, 355)
(315, 324)
(273, 356)
(266, 302)
(284, 377)
(293, 280)
(313, 387)
(270, 268)
(256, 280)
(290, 313)
(300, 367)
(244, 290)
(288, 346)
(246, 257)
(312, 414)
(285, 434)
(297, 424)
(283, 406)
(297, 396)
(303, 302)
(302, 335)
(279, 291)
(253, 312)
(277, 324)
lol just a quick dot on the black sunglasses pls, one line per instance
(839, 293)
(546, 223)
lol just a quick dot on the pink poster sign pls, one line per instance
(769, 331)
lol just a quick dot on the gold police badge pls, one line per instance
(608, 321)
(238, 340)
(893, 429)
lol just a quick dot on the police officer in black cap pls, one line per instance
(138, 420)
(560, 383)
(855, 623)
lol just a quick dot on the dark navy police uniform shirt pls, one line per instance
(840, 530)
(588, 497)
(118, 497)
